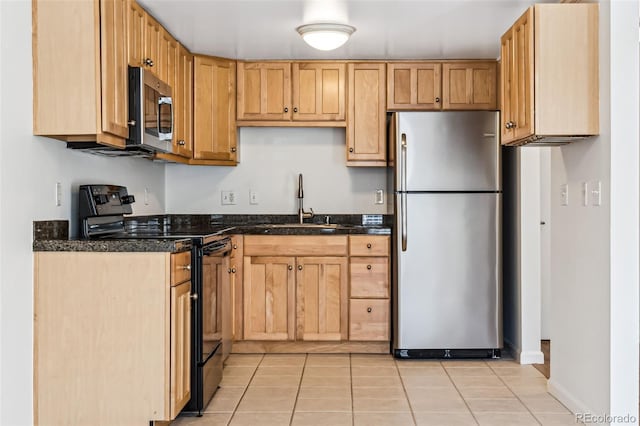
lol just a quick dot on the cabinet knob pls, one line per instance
(286, 109)
(437, 100)
(186, 267)
(369, 245)
(181, 142)
(368, 266)
(194, 296)
(350, 149)
(369, 309)
(233, 149)
(233, 270)
(295, 109)
(299, 267)
(290, 267)
(131, 122)
(235, 246)
(148, 62)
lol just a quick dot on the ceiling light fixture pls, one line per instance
(325, 36)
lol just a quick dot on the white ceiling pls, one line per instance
(386, 29)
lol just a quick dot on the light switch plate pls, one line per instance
(253, 197)
(596, 193)
(58, 194)
(564, 194)
(379, 196)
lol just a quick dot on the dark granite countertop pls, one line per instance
(54, 235)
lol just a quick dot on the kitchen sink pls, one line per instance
(299, 225)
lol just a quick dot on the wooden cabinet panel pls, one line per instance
(135, 33)
(523, 69)
(366, 120)
(368, 245)
(180, 267)
(369, 277)
(236, 262)
(264, 91)
(115, 74)
(413, 86)
(215, 133)
(269, 298)
(152, 36)
(295, 245)
(180, 392)
(507, 76)
(369, 319)
(321, 304)
(183, 104)
(469, 85)
(318, 91)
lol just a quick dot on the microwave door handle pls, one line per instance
(165, 100)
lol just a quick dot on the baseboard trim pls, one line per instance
(564, 396)
(531, 357)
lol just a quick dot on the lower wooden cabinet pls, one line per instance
(369, 319)
(112, 337)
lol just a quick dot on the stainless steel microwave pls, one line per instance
(150, 111)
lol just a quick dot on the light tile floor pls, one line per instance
(377, 390)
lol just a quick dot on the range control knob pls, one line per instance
(101, 199)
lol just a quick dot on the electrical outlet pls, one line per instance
(58, 194)
(228, 198)
(253, 197)
(564, 194)
(379, 196)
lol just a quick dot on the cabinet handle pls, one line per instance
(181, 142)
(437, 100)
(295, 109)
(233, 149)
(148, 62)
(286, 109)
(235, 246)
(194, 296)
(350, 149)
(369, 245)
(290, 267)
(131, 122)
(185, 267)
(299, 267)
(369, 309)
(368, 266)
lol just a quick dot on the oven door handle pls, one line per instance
(217, 249)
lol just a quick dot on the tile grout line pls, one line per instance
(295, 403)
(246, 387)
(516, 395)
(404, 389)
(460, 393)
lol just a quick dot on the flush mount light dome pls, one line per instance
(325, 36)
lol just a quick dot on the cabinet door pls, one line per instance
(413, 86)
(115, 99)
(469, 86)
(269, 298)
(135, 33)
(215, 133)
(235, 261)
(523, 81)
(264, 91)
(168, 58)
(318, 91)
(180, 357)
(369, 319)
(152, 36)
(507, 82)
(321, 304)
(366, 121)
(183, 104)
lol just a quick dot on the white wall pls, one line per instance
(594, 261)
(29, 168)
(270, 161)
(545, 243)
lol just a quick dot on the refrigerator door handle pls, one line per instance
(403, 162)
(403, 220)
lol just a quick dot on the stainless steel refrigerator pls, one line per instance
(447, 249)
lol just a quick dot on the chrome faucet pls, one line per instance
(302, 215)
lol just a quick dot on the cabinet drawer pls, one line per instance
(369, 276)
(369, 319)
(368, 245)
(295, 245)
(180, 267)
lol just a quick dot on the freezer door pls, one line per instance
(448, 151)
(448, 281)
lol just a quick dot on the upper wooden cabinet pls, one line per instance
(152, 50)
(286, 92)
(549, 75)
(426, 86)
(80, 71)
(264, 91)
(183, 105)
(469, 85)
(414, 86)
(366, 118)
(136, 22)
(215, 132)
